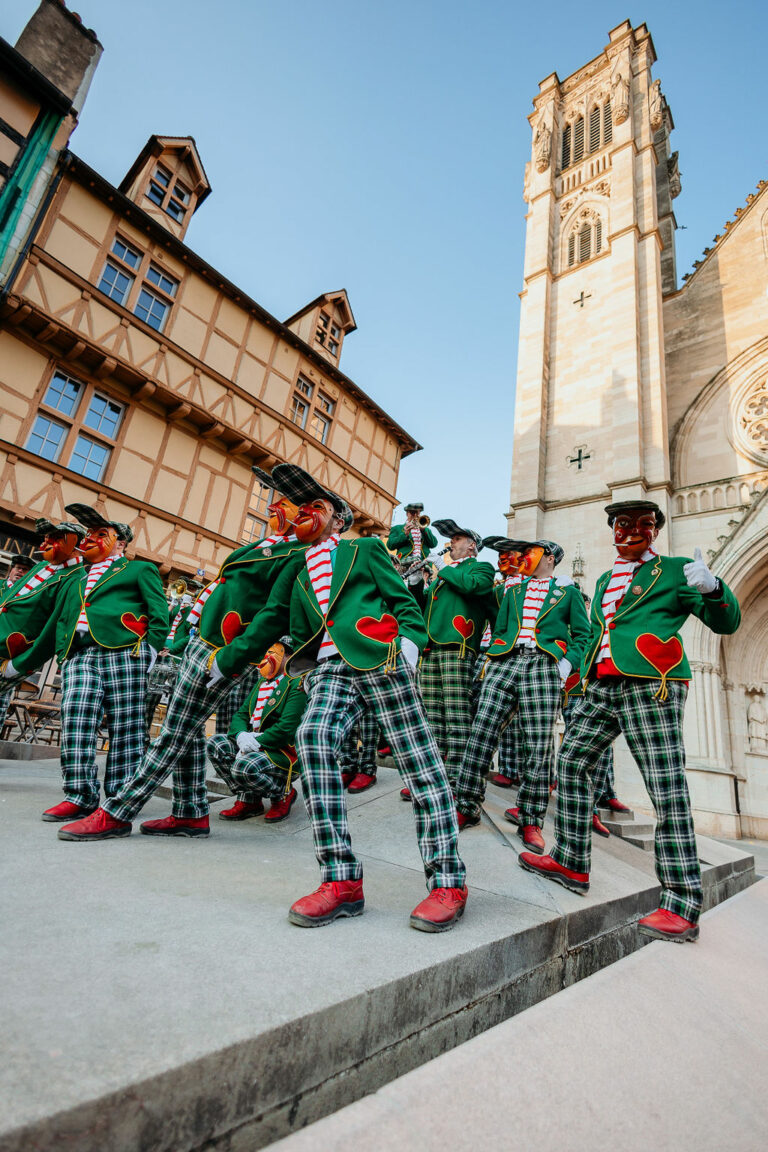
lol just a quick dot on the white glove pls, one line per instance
(698, 575)
(248, 742)
(152, 658)
(416, 578)
(9, 671)
(438, 561)
(214, 675)
(409, 651)
(564, 668)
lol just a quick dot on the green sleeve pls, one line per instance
(719, 611)
(156, 604)
(502, 619)
(398, 536)
(283, 731)
(473, 579)
(428, 537)
(43, 647)
(579, 628)
(241, 721)
(404, 606)
(267, 626)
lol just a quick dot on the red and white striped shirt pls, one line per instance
(621, 578)
(266, 688)
(415, 531)
(535, 595)
(95, 572)
(38, 578)
(197, 608)
(511, 581)
(320, 568)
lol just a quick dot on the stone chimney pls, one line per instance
(57, 44)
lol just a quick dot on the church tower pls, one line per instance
(590, 409)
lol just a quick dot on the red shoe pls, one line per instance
(242, 810)
(598, 826)
(464, 822)
(333, 899)
(347, 778)
(66, 811)
(384, 750)
(281, 809)
(176, 826)
(548, 868)
(405, 794)
(532, 837)
(664, 925)
(513, 815)
(616, 805)
(440, 910)
(500, 780)
(98, 826)
(362, 782)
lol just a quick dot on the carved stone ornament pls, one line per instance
(619, 98)
(673, 173)
(656, 105)
(542, 147)
(527, 183)
(753, 420)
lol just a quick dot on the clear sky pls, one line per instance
(380, 147)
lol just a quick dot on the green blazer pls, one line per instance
(460, 602)
(401, 542)
(645, 640)
(249, 609)
(562, 628)
(369, 610)
(126, 605)
(279, 720)
(28, 622)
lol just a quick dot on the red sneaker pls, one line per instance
(440, 910)
(242, 810)
(598, 826)
(362, 782)
(513, 815)
(465, 822)
(405, 794)
(66, 811)
(384, 750)
(548, 868)
(532, 837)
(616, 805)
(347, 778)
(98, 826)
(333, 899)
(281, 809)
(176, 826)
(500, 780)
(665, 925)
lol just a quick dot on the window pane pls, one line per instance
(607, 123)
(333, 346)
(253, 529)
(163, 282)
(181, 194)
(173, 208)
(128, 255)
(63, 394)
(304, 386)
(89, 458)
(566, 146)
(594, 129)
(584, 243)
(324, 319)
(151, 309)
(335, 331)
(263, 497)
(103, 415)
(325, 403)
(298, 412)
(46, 438)
(578, 140)
(115, 283)
(155, 193)
(163, 176)
(318, 426)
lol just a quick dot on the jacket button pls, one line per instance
(223, 580)
(538, 630)
(87, 604)
(612, 624)
(330, 623)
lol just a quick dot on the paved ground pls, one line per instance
(756, 848)
(668, 1049)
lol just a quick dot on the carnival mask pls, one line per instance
(633, 533)
(98, 544)
(273, 660)
(530, 561)
(282, 516)
(58, 547)
(509, 563)
(312, 519)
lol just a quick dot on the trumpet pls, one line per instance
(424, 563)
(424, 521)
(179, 587)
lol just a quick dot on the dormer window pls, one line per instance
(328, 334)
(168, 193)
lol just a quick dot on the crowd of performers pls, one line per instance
(312, 649)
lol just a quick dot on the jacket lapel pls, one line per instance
(346, 554)
(110, 573)
(553, 597)
(644, 579)
(274, 700)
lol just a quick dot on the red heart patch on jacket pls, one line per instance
(572, 681)
(383, 630)
(16, 643)
(464, 627)
(232, 625)
(562, 646)
(663, 655)
(137, 625)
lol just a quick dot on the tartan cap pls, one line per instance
(450, 528)
(415, 507)
(302, 488)
(614, 510)
(18, 560)
(90, 518)
(264, 477)
(504, 544)
(549, 546)
(45, 527)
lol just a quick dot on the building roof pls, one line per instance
(339, 298)
(155, 146)
(721, 236)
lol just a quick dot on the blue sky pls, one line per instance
(380, 147)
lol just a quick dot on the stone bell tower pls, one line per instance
(590, 410)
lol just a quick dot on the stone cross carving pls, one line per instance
(619, 98)
(656, 105)
(542, 147)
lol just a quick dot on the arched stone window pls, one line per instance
(585, 237)
(582, 136)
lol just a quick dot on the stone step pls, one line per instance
(626, 828)
(644, 842)
(609, 814)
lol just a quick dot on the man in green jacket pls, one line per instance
(235, 618)
(460, 602)
(637, 678)
(540, 633)
(360, 631)
(111, 619)
(411, 542)
(257, 757)
(511, 554)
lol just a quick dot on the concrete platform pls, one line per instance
(156, 997)
(666, 1050)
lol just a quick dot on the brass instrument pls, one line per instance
(424, 563)
(424, 520)
(179, 587)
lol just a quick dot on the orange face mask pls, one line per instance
(282, 515)
(312, 519)
(272, 662)
(98, 544)
(58, 547)
(530, 561)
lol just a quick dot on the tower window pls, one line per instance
(328, 334)
(607, 123)
(585, 243)
(578, 140)
(566, 154)
(585, 240)
(168, 193)
(594, 129)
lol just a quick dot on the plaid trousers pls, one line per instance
(250, 775)
(653, 730)
(446, 686)
(231, 703)
(527, 682)
(94, 682)
(5, 699)
(358, 752)
(180, 747)
(337, 698)
(511, 749)
(602, 778)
